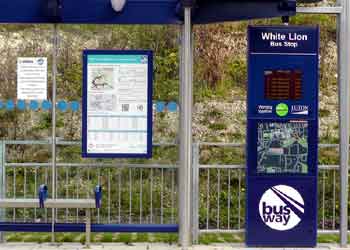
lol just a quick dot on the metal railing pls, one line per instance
(133, 192)
(219, 193)
(147, 192)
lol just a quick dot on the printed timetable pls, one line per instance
(117, 104)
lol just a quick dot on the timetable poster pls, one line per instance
(117, 104)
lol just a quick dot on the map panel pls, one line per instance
(282, 147)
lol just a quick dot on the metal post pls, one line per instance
(195, 193)
(343, 87)
(88, 228)
(53, 141)
(2, 184)
(185, 171)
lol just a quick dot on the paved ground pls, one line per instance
(144, 246)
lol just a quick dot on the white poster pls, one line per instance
(32, 78)
(117, 97)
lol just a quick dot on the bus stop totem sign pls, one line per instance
(282, 136)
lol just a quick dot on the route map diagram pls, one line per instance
(106, 102)
(102, 79)
(282, 147)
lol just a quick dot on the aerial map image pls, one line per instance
(282, 147)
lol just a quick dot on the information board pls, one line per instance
(117, 104)
(32, 78)
(282, 136)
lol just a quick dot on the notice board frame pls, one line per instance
(148, 153)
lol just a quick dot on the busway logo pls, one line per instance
(281, 207)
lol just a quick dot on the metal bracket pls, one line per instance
(54, 10)
(43, 194)
(285, 20)
(287, 5)
(98, 196)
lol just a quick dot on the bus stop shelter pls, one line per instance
(187, 13)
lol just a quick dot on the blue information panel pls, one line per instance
(282, 136)
(117, 104)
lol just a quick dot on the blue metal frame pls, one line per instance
(139, 11)
(80, 227)
(149, 103)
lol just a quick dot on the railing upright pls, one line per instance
(343, 33)
(195, 193)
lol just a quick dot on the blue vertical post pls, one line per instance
(53, 140)
(2, 183)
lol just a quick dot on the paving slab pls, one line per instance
(17, 246)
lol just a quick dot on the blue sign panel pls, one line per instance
(117, 104)
(282, 136)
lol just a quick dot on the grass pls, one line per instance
(329, 238)
(207, 239)
(125, 238)
(107, 237)
(129, 238)
(141, 237)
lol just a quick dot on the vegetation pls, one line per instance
(219, 115)
(130, 238)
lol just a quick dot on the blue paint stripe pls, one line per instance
(10, 105)
(74, 106)
(46, 105)
(172, 106)
(72, 227)
(62, 106)
(34, 105)
(160, 107)
(21, 105)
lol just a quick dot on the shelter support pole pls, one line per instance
(186, 102)
(344, 112)
(53, 140)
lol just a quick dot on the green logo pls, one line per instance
(282, 109)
